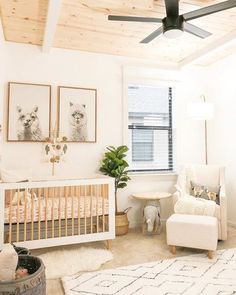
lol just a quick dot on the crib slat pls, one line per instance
(18, 216)
(107, 215)
(103, 207)
(59, 210)
(46, 211)
(72, 208)
(91, 209)
(32, 215)
(39, 213)
(97, 198)
(85, 210)
(78, 196)
(10, 218)
(66, 221)
(25, 213)
(52, 210)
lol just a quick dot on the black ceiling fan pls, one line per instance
(174, 24)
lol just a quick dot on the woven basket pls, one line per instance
(122, 224)
(33, 284)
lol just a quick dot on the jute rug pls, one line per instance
(61, 263)
(189, 275)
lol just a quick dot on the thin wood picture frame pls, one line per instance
(29, 112)
(77, 114)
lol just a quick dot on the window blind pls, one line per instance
(151, 138)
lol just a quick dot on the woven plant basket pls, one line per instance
(122, 224)
(33, 284)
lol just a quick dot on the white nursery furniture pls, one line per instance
(49, 213)
(207, 175)
(192, 231)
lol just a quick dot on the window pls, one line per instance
(142, 140)
(150, 128)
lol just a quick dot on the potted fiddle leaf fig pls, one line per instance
(115, 165)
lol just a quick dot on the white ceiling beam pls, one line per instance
(209, 50)
(2, 37)
(51, 24)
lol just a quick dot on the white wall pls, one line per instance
(59, 67)
(2, 78)
(222, 135)
(72, 68)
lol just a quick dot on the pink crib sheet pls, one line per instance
(56, 208)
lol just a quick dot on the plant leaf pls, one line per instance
(122, 185)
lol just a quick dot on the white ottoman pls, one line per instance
(192, 231)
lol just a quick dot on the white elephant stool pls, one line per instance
(152, 210)
(152, 217)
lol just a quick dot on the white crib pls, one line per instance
(49, 213)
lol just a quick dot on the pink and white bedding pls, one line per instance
(56, 208)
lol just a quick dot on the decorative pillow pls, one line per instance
(205, 192)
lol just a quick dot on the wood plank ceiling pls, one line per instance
(83, 25)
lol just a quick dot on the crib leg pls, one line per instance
(108, 244)
(6, 239)
(144, 227)
(173, 250)
(210, 254)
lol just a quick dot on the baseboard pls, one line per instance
(231, 223)
(139, 224)
(134, 225)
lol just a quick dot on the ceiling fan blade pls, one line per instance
(172, 7)
(196, 31)
(209, 9)
(134, 19)
(152, 36)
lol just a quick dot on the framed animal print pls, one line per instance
(77, 113)
(29, 111)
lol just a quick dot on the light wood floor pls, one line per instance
(135, 248)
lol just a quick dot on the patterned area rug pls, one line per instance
(189, 275)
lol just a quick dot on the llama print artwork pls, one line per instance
(28, 125)
(77, 114)
(78, 122)
(28, 112)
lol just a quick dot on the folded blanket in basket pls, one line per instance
(8, 263)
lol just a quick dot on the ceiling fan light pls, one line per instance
(173, 33)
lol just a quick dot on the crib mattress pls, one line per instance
(56, 208)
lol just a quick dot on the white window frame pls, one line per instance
(145, 79)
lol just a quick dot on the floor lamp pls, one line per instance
(201, 111)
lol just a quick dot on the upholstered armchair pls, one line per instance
(207, 175)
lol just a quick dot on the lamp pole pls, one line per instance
(205, 134)
(202, 111)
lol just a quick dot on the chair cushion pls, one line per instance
(205, 192)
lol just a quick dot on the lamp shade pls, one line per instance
(200, 110)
